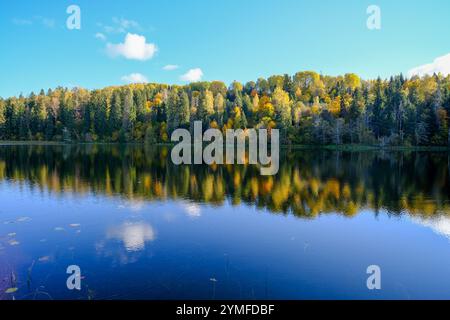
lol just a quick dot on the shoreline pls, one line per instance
(344, 147)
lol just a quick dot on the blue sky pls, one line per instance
(226, 39)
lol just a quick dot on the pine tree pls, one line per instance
(185, 111)
(173, 110)
(115, 116)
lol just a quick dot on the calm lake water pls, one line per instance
(140, 227)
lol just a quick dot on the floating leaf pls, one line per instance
(11, 290)
(44, 259)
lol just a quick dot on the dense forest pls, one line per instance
(308, 108)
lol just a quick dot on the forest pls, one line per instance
(308, 108)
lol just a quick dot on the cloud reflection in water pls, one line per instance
(133, 235)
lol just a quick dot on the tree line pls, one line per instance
(307, 108)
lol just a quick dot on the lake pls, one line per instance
(140, 227)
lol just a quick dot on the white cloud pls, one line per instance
(22, 22)
(170, 67)
(100, 36)
(120, 25)
(47, 22)
(135, 78)
(50, 23)
(125, 24)
(192, 75)
(439, 65)
(135, 47)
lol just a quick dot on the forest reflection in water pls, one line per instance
(309, 182)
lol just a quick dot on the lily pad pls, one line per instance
(11, 290)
